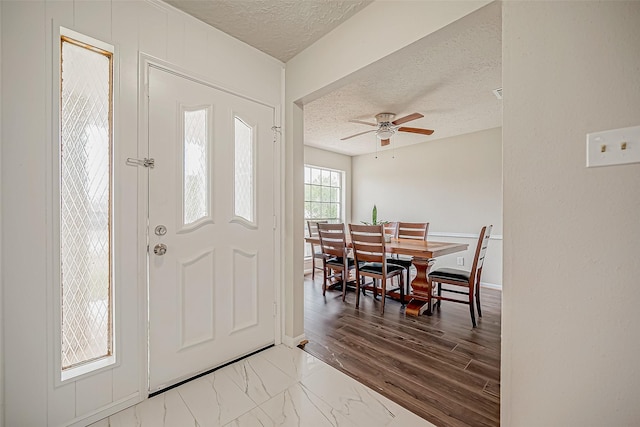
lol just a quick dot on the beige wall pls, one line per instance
(455, 184)
(572, 235)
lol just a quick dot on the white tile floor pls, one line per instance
(280, 386)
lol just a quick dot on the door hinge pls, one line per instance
(147, 163)
(275, 222)
(275, 309)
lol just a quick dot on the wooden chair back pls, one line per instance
(312, 227)
(413, 230)
(367, 242)
(481, 250)
(391, 229)
(332, 239)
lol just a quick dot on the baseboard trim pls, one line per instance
(491, 286)
(293, 341)
(106, 411)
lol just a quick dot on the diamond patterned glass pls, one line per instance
(85, 190)
(196, 166)
(244, 170)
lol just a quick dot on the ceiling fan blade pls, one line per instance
(416, 130)
(358, 134)
(384, 142)
(408, 118)
(363, 123)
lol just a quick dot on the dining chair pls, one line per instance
(409, 230)
(367, 242)
(469, 280)
(391, 229)
(312, 227)
(334, 248)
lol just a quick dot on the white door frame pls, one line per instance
(144, 63)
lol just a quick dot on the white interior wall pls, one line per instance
(132, 26)
(455, 184)
(24, 284)
(327, 64)
(570, 338)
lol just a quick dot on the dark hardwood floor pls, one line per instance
(436, 366)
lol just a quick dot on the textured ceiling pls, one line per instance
(448, 76)
(280, 28)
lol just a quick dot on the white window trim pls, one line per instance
(343, 180)
(92, 367)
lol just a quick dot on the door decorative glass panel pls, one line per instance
(244, 171)
(196, 165)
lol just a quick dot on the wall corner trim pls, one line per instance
(292, 342)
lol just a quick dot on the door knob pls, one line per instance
(160, 249)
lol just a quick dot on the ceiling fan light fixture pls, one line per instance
(385, 133)
(385, 129)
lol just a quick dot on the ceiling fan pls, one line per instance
(386, 126)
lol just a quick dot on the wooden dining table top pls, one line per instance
(412, 247)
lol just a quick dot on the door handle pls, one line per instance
(160, 249)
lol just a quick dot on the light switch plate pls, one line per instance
(613, 147)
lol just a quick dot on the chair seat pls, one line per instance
(338, 262)
(450, 274)
(404, 262)
(376, 267)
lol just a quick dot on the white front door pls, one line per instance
(211, 208)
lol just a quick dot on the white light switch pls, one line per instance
(613, 147)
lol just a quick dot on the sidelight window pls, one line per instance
(85, 177)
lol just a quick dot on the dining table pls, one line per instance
(423, 253)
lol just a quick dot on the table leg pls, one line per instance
(421, 288)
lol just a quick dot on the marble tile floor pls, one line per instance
(280, 386)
